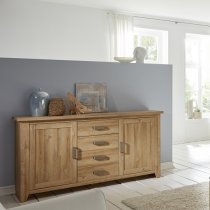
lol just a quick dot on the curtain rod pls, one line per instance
(173, 21)
(164, 19)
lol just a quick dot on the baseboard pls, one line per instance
(166, 165)
(8, 190)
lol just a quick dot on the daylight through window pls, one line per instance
(155, 42)
(197, 75)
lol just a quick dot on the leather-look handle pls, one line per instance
(101, 128)
(101, 157)
(122, 147)
(101, 143)
(100, 172)
(76, 153)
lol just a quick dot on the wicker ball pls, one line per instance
(56, 107)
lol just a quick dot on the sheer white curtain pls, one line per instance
(120, 35)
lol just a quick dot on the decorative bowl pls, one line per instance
(124, 59)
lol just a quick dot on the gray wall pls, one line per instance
(130, 87)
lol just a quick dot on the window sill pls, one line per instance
(199, 119)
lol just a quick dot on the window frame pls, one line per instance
(198, 66)
(162, 47)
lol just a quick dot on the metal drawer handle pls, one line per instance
(101, 173)
(101, 157)
(101, 128)
(101, 143)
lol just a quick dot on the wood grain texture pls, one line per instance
(105, 179)
(187, 156)
(87, 158)
(22, 161)
(90, 142)
(157, 146)
(109, 146)
(139, 143)
(121, 154)
(88, 116)
(51, 159)
(97, 127)
(86, 173)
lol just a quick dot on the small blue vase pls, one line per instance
(39, 101)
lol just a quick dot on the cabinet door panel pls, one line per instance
(139, 145)
(51, 155)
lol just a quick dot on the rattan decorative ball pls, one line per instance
(56, 107)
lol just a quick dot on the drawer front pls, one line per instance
(97, 158)
(97, 173)
(98, 127)
(102, 142)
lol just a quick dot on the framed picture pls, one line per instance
(93, 96)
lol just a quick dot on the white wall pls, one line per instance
(34, 29)
(183, 130)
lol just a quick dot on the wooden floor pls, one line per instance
(192, 165)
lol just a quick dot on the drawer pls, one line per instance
(97, 127)
(96, 158)
(102, 142)
(98, 172)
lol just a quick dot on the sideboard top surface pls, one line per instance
(86, 116)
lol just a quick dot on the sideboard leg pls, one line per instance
(22, 197)
(22, 161)
(157, 173)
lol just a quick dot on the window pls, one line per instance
(197, 74)
(155, 42)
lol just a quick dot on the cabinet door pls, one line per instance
(138, 135)
(51, 161)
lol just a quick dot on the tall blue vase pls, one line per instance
(39, 101)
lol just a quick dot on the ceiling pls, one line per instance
(196, 10)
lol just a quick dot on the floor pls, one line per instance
(191, 166)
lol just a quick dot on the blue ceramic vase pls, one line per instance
(39, 101)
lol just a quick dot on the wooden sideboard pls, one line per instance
(73, 150)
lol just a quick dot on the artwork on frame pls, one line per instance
(93, 96)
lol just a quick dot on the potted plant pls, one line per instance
(197, 114)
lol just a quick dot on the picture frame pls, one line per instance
(93, 96)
